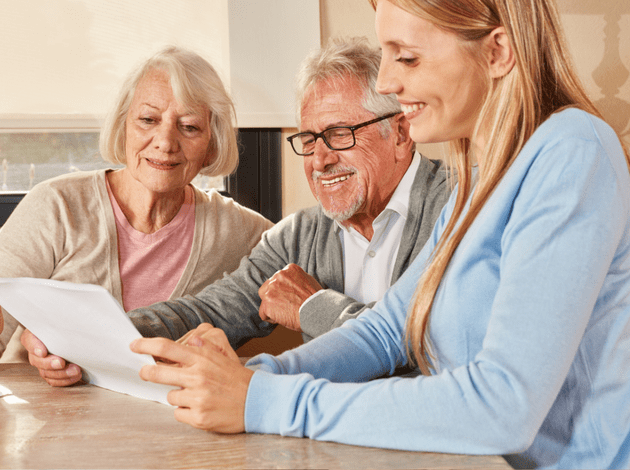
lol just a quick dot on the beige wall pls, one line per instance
(598, 32)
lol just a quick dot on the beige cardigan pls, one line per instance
(64, 229)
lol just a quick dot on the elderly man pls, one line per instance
(317, 268)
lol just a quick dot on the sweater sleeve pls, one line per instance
(328, 310)
(231, 303)
(30, 242)
(568, 218)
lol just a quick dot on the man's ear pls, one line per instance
(500, 54)
(404, 143)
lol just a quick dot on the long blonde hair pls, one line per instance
(542, 82)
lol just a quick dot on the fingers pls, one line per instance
(215, 399)
(209, 336)
(161, 348)
(56, 371)
(263, 293)
(181, 375)
(62, 378)
(184, 338)
(290, 280)
(164, 374)
(216, 339)
(49, 362)
(51, 368)
(262, 313)
(33, 344)
(171, 351)
(200, 331)
(206, 340)
(183, 356)
(191, 338)
(282, 275)
(212, 388)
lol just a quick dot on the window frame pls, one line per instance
(256, 184)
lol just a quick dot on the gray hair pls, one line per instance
(194, 82)
(345, 59)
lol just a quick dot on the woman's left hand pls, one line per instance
(213, 382)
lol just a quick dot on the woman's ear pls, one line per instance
(500, 54)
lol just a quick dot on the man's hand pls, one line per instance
(52, 368)
(215, 336)
(282, 295)
(210, 382)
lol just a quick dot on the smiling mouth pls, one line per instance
(162, 165)
(333, 181)
(411, 108)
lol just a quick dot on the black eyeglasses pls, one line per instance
(335, 138)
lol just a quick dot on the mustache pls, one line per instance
(334, 171)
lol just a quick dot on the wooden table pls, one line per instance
(89, 427)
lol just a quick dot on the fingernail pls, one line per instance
(39, 352)
(73, 370)
(56, 363)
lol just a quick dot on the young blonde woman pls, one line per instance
(517, 312)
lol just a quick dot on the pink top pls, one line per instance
(152, 264)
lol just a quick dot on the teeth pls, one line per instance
(411, 108)
(336, 180)
(161, 164)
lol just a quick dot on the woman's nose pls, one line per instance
(386, 81)
(165, 138)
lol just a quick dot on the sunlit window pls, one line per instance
(63, 62)
(31, 157)
(28, 158)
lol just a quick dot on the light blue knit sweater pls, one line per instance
(531, 327)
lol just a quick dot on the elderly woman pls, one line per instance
(143, 232)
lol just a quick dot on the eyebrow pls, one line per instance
(400, 43)
(187, 113)
(330, 126)
(144, 103)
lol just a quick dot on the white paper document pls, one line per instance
(85, 325)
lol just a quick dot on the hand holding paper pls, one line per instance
(213, 383)
(53, 369)
(83, 324)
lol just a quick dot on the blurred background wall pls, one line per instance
(598, 32)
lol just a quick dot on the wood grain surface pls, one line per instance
(89, 427)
